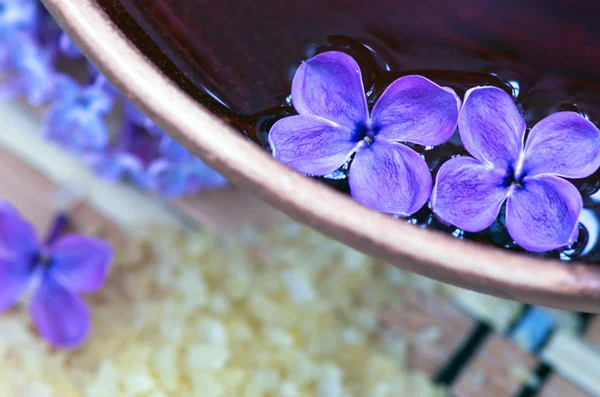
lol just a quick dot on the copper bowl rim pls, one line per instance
(432, 254)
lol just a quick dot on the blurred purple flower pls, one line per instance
(542, 208)
(177, 172)
(67, 47)
(57, 271)
(76, 118)
(31, 43)
(47, 30)
(17, 16)
(30, 71)
(136, 116)
(334, 123)
(129, 158)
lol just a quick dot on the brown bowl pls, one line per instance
(493, 271)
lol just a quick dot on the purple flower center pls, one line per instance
(365, 132)
(514, 177)
(42, 259)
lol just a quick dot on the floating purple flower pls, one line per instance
(56, 271)
(76, 118)
(542, 208)
(334, 123)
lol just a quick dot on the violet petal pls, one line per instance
(310, 144)
(114, 167)
(68, 47)
(80, 263)
(60, 316)
(17, 16)
(169, 179)
(390, 177)
(564, 144)
(543, 214)
(491, 127)
(171, 150)
(468, 193)
(330, 85)
(18, 249)
(415, 109)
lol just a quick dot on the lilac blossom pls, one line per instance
(129, 158)
(76, 113)
(136, 116)
(30, 71)
(76, 118)
(177, 172)
(334, 124)
(55, 272)
(542, 208)
(67, 47)
(17, 16)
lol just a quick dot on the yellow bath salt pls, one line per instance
(283, 313)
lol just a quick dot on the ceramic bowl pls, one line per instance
(489, 270)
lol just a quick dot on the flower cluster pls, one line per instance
(33, 50)
(333, 128)
(55, 272)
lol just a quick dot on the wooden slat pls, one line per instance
(228, 210)
(557, 386)
(432, 327)
(497, 312)
(592, 334)
(35, 197)
(500, 369)
(575, 360)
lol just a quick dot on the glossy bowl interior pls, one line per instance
(493, 271)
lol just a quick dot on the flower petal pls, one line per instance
(60, 316)
(491, 127)
(16, 234)
(390, 177)
(564, 144)
(330, 86)
(415, 109)
(468, 193)
(74, 128)
(543, 214)
(310, 144)
(18, 248)
(169, 179)
(80, 263)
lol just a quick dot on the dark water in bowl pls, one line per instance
(238, 58)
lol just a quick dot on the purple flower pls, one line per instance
(137, 117)
(17, 16)
(334, 123)
(67, 47)
(56, 272)
(177, 172)
(542, 208)
(76, 118)
(30, 69)
(129, 158)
